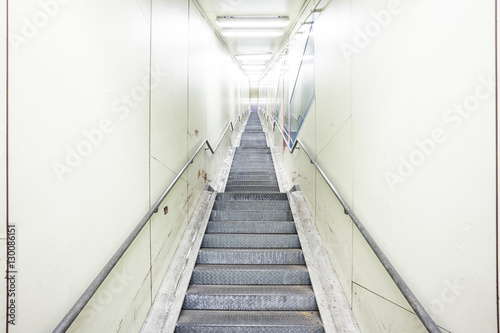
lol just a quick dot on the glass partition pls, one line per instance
(303, 91)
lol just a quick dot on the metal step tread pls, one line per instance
(251, 227)
(249, 205)
(265, 241)
(268, 173)
(248, 188)
(251, 215)
(246, 151)
(278, 275)
(240, 196)
(265, 321)
(253, 177)
(230, 290)
(250, 297)
(249, 167)
(237, 182)
(250, 256)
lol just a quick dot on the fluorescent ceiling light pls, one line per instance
(252, 21)
(257, 32)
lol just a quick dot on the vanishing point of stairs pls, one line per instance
(250, 274)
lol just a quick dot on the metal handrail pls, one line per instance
(80, 304)
(220, 140)
(424, 317)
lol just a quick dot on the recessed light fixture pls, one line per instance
(252, 21)
(253, 32)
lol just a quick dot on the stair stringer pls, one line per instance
(335, 311)
(165, 310)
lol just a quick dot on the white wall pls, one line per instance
(381, 97)
(80, 83)
(3, 184)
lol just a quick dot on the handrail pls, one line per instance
(220, 139)
(75, 311)
(424, 317)
(292, 149)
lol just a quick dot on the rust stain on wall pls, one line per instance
(204, 175)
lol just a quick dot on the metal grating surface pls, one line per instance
(251, 275)
(252, 196)
(233, 321)
(253, 177)
(252, 167)
(251, 215)
(262, 298)
(251, 256)
(251, 158)
(238, 182)
(264, 241)
(251, 227)
(236, 174)
(252, 188)
(262, 205)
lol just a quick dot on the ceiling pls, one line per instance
(250, 45)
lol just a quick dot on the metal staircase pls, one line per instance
(250, 274)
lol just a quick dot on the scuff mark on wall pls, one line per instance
(204, 175)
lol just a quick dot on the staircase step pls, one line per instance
(263, 205)
(270, 178)
(255, 155)
(253, 136)
(251, 241)
(250, 275)
(248, 159)
(251, 160)
(262, 151)
(252, 189)
(256, 298)
(251, 256)
(250, 196)
(199, 321)
(236, 182)
(245, 140)
(266, 173)
(254, 144)
(251, 215)
(251, 227)
(249, 168)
